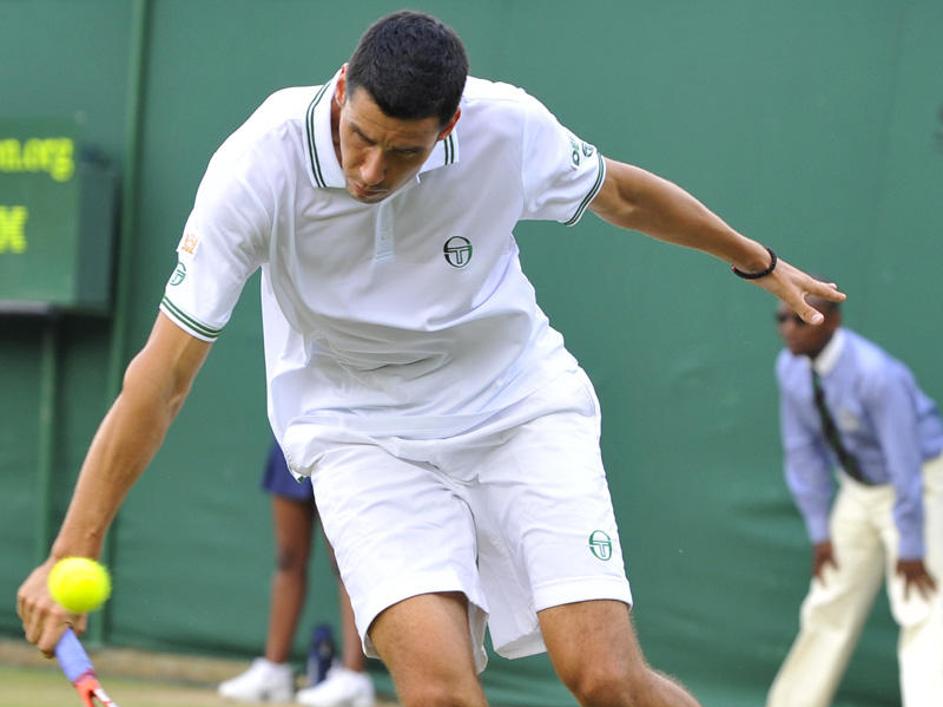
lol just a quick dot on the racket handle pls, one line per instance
(77, 666)
(72, 657)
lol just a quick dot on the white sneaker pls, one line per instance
(340, 688)
(264, 681)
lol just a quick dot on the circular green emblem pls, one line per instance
(600, 544)
(179, 274)
(457, 251)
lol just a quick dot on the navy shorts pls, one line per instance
(279, 481)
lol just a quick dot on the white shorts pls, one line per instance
(516, 514)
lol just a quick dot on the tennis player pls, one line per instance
(452, 441)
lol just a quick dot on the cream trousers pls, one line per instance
(865, 541)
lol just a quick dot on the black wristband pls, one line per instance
(761, 273)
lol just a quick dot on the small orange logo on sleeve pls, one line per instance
(189, 242)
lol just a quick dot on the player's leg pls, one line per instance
(920, 646)
(549, 548)
(294, 522)
(424, 643)
(835, 609)
(405, 546)
(593, 648)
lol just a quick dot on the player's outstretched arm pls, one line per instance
(632, 198)
(155, 385)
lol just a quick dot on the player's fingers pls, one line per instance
(25, 601)
(809, 314)
(52, 632)
(26, 616)
(826, 290)
(79, 623)
(21, 610)
(33, 624)
(796, 299)
(33, 615)
(795, 288)
(46, 618)
(32, 598)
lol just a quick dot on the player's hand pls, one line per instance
(794, 287)
(44, 621)
(822, 555)
(915, 574)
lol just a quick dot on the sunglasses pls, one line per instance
(783, 317)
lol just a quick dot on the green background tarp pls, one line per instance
(811, 125)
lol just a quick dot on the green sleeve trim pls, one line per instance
(597, 185)
(198, 328)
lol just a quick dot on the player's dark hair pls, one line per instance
(412, 65)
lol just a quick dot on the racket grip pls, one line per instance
(72, 657)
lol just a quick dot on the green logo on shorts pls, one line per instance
(600, 544)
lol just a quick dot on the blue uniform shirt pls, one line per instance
(885, 421)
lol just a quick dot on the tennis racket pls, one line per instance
(78, 667)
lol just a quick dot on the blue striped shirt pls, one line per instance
(885, 421)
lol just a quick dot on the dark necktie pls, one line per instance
(832, 436)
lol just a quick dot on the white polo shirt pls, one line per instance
(409, 318)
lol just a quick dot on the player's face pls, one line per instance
(806, 339)
(377, 153)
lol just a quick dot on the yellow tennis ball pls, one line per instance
(79, 584)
